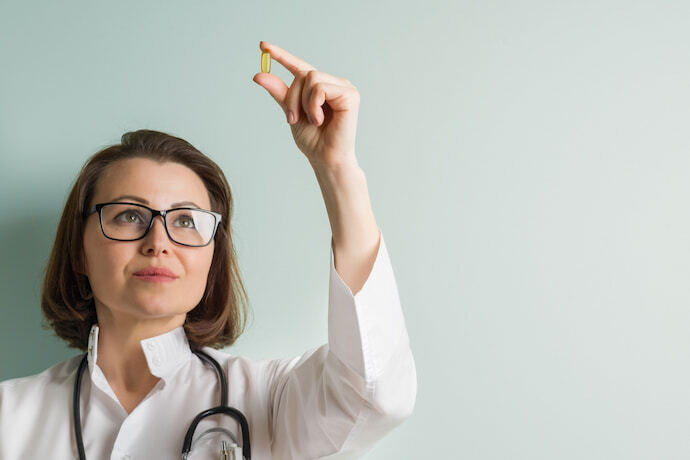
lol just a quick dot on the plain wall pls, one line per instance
(528, 164)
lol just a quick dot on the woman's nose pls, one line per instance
(157, 233)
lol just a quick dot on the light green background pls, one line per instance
(528, 164)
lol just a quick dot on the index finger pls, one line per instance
(294, 64)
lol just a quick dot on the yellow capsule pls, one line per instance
(266, 62)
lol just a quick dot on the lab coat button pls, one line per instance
(126, 457)
(151, 346)
(156, 361)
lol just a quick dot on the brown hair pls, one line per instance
(66, 297)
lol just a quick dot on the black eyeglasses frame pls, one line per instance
(154, 213)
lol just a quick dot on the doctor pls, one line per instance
(143, 279)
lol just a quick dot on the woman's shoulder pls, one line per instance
(253, 366)
(59, 374)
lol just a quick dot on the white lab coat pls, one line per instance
(334, 401)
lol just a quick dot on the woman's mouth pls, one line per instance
(155, 274)
(155, 278)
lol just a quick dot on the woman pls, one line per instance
(143, 279)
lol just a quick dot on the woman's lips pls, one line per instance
(155, 274)
(155, 278)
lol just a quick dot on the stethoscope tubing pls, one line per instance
(186, 447)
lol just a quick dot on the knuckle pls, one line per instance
(301, 75)
(312, 75)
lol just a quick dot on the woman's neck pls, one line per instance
(122, 359)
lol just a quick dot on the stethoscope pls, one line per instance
(244, 451)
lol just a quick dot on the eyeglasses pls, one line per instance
(122, 221)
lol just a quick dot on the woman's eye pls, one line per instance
(186, 222)
(128, 217)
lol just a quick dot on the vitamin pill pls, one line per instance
(266, 62)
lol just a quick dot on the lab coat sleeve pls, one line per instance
(337, 400)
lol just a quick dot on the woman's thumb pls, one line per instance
(274, 85)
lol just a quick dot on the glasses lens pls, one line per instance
(191, 226)
(124, 221)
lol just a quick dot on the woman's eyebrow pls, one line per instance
(142, 200)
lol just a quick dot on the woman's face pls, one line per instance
(110, 264)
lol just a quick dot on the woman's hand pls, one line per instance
(321, 109)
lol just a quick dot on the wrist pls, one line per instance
(340, 172)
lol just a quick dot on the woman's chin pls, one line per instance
(157, 305)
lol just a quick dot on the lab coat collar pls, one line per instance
(164, 353)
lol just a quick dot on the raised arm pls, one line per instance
(337, 400)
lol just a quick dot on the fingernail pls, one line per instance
(291, 117)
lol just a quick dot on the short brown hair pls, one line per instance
(66, 297)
